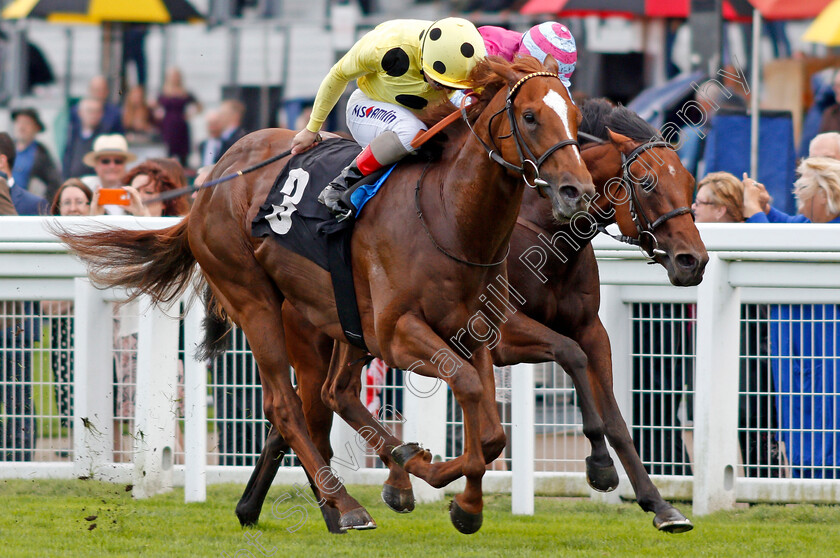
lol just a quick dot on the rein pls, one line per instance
(415, 143)
(644, 226)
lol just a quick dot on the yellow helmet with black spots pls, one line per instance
(451, 48)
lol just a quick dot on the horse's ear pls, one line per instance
(619, 139)
(551, 64)
(505, 70)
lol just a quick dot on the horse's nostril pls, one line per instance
(570, 192)
(686, 260)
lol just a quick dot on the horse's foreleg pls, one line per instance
(594, 341)
(526, 340)
(341, 392)
(413, 347)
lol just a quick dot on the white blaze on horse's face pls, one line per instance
(556, 102)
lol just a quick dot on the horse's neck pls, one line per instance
(604, 164)
(483, 199)
(567, 239)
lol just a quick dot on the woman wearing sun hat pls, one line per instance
(109, 158)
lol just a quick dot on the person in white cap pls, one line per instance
(109, 158)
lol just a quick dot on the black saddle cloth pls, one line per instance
(292, 216)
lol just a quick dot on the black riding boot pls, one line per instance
(384, 149)
(336, 195)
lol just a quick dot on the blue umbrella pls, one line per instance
(653, 103)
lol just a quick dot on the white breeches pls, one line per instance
(367, 119)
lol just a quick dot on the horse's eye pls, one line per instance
(529, 117)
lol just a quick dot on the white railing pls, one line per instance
(777, 264)
(748, 264)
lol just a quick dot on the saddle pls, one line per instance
(292, 216)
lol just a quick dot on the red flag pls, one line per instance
(375, 381)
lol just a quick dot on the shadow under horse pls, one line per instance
(553, 316)
(412, 293)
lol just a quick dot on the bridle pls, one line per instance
(644, 226)
(526, 156)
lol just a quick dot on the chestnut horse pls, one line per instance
(423, 253)
(642, 185)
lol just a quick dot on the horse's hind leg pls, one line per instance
(250, 504)
(309, 352)
(525, 340)
(341, 392)
(254, 305)
(594, 341)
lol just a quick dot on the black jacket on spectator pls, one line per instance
(44, 169)
(229, 139)
(77, 147)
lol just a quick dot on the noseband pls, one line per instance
(526, 156)
(644, 226)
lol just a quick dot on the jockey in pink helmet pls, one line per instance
(546, 38)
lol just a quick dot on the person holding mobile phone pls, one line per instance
(109, 158)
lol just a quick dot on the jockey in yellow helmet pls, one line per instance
(401, 68)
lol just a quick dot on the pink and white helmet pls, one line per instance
(555, 39)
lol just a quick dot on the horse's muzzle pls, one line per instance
(570, 198)
(685, 269)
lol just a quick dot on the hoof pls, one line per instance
(401, 500)
(466, 523)
(602, 479)
(332, 519)
(358, 519)
(404, 452)
(672, 521)
(247, 518)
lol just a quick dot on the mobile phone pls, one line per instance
(113, 196)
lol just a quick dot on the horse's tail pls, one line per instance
(158, 263)
(217, 327)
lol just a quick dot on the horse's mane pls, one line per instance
(600, 114)
(488, 80)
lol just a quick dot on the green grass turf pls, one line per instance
(48, 518)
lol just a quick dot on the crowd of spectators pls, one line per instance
(98, 158)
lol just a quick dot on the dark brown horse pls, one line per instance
(418, 281)
(642, 185)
